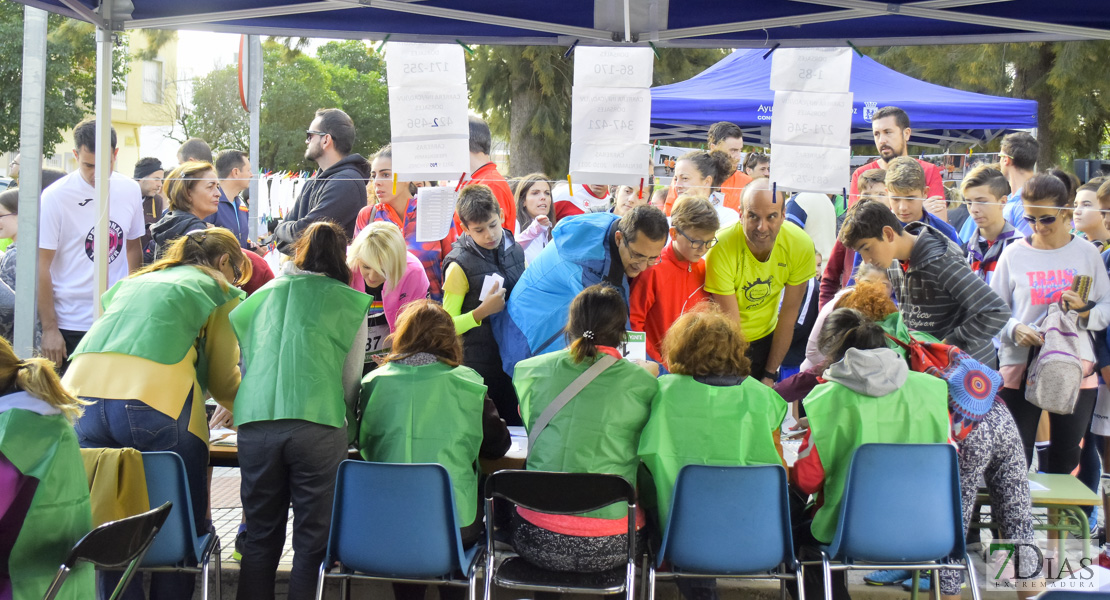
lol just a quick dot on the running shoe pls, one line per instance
(887, 577)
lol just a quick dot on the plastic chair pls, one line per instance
(113, 545)
(901, 510)
(564, 494)
(396, 522)
(178, 548)
(729, 522)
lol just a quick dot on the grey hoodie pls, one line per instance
(874, 373)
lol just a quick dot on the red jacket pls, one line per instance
(933, 179)
(661, 294)
(487, 175)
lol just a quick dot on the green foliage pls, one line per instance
(70, 75)
(524, 94)
(358, 80)
(292, 91)
(219, 118)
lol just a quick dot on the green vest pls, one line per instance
(45, 447)
(426, 414)
(841, 420)
(598, 431)
(296, 332)
(157, 316)
(697, 424)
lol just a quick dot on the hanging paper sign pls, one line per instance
(609, 163)
(611, 113)
(424, 65)
(613, 67)
(811, 69)
(423, 113)
(430, 159)
(435, 213)
(809, 168)
(812, 119)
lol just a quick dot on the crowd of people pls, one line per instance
(755, 303)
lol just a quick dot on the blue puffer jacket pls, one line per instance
(577, 257)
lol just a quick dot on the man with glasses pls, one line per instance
(338, 191)
(677, 284)
(586, 250)
(757, 261)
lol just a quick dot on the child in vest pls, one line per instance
(480, 272)
(665, 291)
(864, 377)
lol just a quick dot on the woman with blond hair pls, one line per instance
(44, 495)
(193, 193)
(163, 343)
(385, 269)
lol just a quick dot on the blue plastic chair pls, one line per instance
(729, 522)
(178, 548)
(901, 510)
(396, 522)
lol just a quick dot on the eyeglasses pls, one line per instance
(308, 133)
(697, 244)
(235, 271)
(636, 258)
(1043, 219)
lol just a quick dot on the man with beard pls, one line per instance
(149, 174)
(338, 191)
(891, 128)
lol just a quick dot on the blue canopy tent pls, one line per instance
(689, 23)
(737, 89)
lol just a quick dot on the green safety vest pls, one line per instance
(45, 447)
(296, 332)
(157, 316)
(697, 424)
(426, 414)
(841, 420)
(598, 431)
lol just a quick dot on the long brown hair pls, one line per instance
(36, 376)
(322, 248)
(424, 326)
(202, 249)
(597, 317)
(706, 342)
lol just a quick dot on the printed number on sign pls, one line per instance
(418, 122)
(613, 69)
(614, 124)
(809, 74)
(815, 128)
(431, 67)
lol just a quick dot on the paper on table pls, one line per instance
(1037, 487)
(487, 285)
(435, 213)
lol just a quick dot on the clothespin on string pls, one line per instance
(382, 45)
(774, 192)
(462, 178)
(655, 50)
(394, 184)
(465, 47)
(570, 50)
(768, 53)
(570, 184)
(853, 47)
(641, 196)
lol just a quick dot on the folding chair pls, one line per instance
(113, 545)
(396, 522)
(178, 548)
(729, 522)
(901, 510)
(564, 494)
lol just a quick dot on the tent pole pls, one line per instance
(32, 113)
(254, 102)
(103, 171)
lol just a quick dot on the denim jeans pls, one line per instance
(133, 424)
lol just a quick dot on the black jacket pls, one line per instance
(335, 195)
(172, 225)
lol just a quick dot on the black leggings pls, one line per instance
(1067, 430)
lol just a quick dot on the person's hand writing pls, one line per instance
(1025, 335)
(221, 418)
(54, 346)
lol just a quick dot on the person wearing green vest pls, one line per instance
(44, 494)
(303, 337)
(596, 431)
(146, 365)
(709, 411)
(423, 406)
(870, 396)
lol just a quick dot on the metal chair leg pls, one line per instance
(651, 583)
(320, 581)
(800, 575)
(915, 582)
(972, 580)
(59, 579)
(826, 570)
(219, 572)
(934, 578)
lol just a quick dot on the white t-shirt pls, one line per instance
(66, 225)
(584, 197)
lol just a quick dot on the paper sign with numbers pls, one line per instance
(424, 65)
(617, 114)
(427, 113)
(812, 119)
(613, 67)
(609, 163)
(811, 69)
(809, 168)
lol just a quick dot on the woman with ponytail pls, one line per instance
(864, 379)
(304, 338)
(596, 430)
(44, 494)
(161, 347)
(701, 173)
